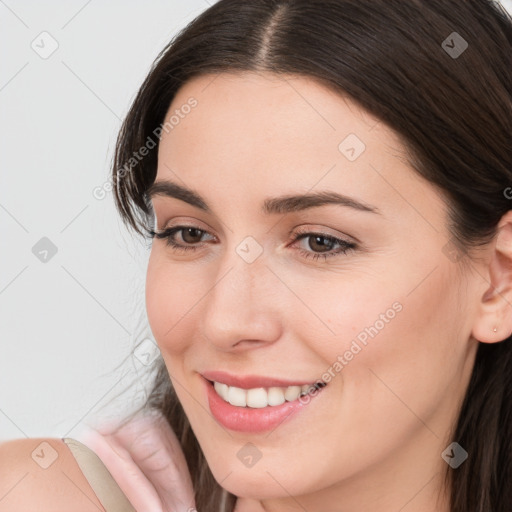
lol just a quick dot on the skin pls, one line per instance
(143, 456)
(372, 440)
(27, 485)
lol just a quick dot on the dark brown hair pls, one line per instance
(400, 60)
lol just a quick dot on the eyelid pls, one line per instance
(295, 232)
(301, 230)
(186, 222)
(323, 231)
(345, 246)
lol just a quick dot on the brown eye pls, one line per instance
(320, 243)
(191, 235)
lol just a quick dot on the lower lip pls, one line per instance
(248, 419)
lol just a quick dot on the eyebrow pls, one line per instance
(275, 205)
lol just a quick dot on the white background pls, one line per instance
(68, 326)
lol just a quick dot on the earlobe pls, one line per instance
(494, 314)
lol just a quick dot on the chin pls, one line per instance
(260, 481)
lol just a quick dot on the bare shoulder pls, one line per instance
(43, 474)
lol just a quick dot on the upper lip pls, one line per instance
(252, 381)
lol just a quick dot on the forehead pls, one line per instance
(280, 110)
(264, 132)
(258, 122)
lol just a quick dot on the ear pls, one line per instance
(495, 307)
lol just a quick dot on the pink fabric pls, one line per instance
(146, 460)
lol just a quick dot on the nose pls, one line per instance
(241, 308)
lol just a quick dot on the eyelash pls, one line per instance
(345, 246)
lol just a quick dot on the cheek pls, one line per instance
(388, 338)
(172, 295)
(414, 358)
(349, 318)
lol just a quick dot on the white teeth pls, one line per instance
(275, 396)
(292, 393)
(257, 398)
(237, 396)
(222, 390)
(307, 388)
(260, 397)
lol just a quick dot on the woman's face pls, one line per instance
(362, 292)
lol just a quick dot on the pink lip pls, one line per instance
(248, 419)
(251, 381)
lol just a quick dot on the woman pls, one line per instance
(327, 185)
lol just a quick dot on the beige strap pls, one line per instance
(103, 484)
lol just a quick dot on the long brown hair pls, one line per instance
(439, 73)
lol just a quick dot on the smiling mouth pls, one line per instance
(258, 398)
